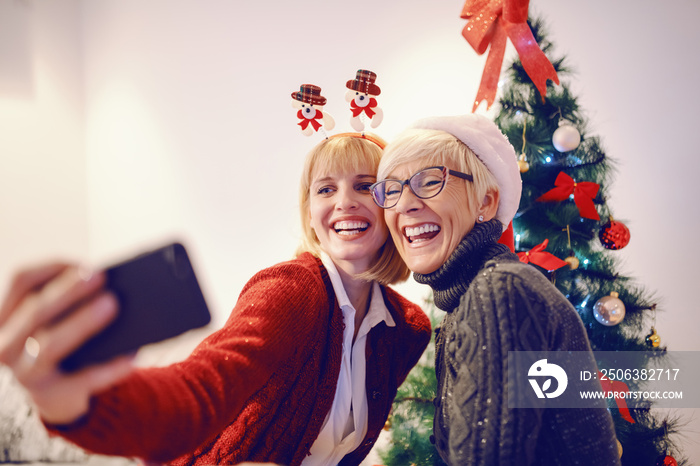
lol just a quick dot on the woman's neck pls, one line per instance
(452, 279)
(359, 293)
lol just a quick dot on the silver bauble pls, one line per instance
(609, 310)
(566, 138)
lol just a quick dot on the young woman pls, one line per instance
(304, 371)
(450, 186)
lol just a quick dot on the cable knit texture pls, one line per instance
(496, 304)
(260, 388)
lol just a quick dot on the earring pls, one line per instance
(480, 219)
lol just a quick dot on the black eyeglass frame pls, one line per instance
(445, 170)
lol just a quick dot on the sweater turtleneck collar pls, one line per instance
(452, 279)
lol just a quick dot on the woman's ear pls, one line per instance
(489, 206)
(310, 219)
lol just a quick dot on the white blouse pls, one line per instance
(346, 423)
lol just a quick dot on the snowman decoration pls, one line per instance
(361, 94)
(309, 102)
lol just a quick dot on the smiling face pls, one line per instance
(348, 224)
(427, 231)
(338, 215)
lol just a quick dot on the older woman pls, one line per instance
(450, 186)
(304, 371)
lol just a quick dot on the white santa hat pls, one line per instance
(491, 146)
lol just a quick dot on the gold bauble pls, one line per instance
(653, 339)
(387, 424)
(522, 163)
(573, 262)
(619, 449)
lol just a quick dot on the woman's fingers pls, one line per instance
(62, 293)
(25, 282)
(59, 340)
(100, 377)
(33, 304)
(47, 314)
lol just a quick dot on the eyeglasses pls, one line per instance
(425, 184)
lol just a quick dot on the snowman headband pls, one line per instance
(362, 95)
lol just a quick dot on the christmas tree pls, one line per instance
(566, 174)
(411, 421)
(566, 229)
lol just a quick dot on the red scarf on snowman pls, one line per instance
(304, 123)
(357, 110)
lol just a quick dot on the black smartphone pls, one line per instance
(159, 298)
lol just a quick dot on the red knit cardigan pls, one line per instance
(260, 388)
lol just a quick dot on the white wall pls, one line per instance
(188, 130)
(43, 197)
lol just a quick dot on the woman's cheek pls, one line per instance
(390, 219)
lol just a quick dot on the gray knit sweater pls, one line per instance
(496, 304)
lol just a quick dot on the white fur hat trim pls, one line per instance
(487, 141)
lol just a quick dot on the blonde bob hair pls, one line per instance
(347, 153)
(436, 147)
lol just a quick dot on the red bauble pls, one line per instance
(614, 235)
(667, 460)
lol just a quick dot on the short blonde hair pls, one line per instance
(347, 153)
(436, 147)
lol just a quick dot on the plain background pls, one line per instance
(125, 123)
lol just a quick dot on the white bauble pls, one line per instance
(566, 138)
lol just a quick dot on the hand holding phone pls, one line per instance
(159, 298)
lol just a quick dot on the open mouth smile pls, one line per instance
(349, 228)
(424, 232)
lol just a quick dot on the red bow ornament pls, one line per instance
(368, 109)
(545, 260)
(584, 192)
(611, 387)
(493, 22)
(304, 123)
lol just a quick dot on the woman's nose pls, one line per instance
(408, 202)
(347, 199)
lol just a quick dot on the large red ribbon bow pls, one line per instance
(493, 22)
(613, 387)
(357, 110)
(584, 192)
(304, 123)
(538, 256)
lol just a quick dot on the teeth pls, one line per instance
(421, 229)
(345, 225)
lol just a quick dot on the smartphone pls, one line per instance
(159, 298)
